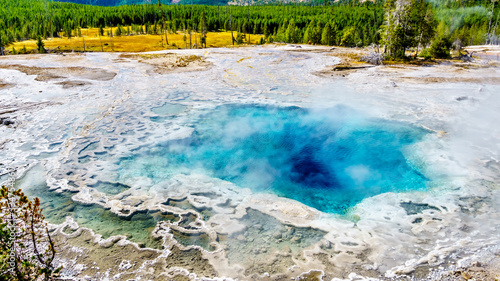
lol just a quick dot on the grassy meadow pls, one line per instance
(90, 41)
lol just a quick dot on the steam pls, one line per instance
(475, 135)
(454, 18)
(327, 158)
(360, 174)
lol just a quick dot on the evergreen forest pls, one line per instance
(346, 23)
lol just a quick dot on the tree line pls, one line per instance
(347, 23)
(22, 20)
(416, 24)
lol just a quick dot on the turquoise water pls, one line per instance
(56, 206)
(328, 159)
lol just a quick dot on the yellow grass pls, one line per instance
(129, 43)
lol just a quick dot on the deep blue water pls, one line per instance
(329, 159)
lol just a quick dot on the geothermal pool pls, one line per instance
(264, 165)
(329, 159)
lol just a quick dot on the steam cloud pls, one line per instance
(329, 158)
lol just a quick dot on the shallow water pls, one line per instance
(329, 159)
(265, 234)
(57, 206)
(141, 143)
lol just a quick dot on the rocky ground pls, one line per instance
(67, 120)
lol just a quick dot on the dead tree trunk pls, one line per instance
(488, 39)
(231, 26)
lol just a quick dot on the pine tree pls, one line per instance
(28, 251)
(408, 23)
(118, 31)
(280, 34)
(40, 45)
(291, 33)
(307, 36)
(327, 38)
(309, 33)
(203, 29)
(316, 36)
(2, 44)
(69, 27)
(348, 37)
(426, 23)
(266, 30)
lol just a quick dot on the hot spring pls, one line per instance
(266, 165)
(329, 159)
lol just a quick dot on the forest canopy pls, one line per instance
(347, 23)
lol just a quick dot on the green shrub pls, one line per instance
(40, 45)
(425, 54)
(239, 38)
(440, 47)
(348, 37)
(26, 248)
